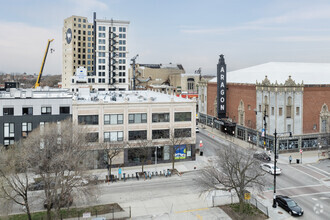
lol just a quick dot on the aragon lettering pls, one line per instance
(221, 87)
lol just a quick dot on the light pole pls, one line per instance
(264, 125)
(274, 197)
(275, 157)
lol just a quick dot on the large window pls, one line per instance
(137, 118)
(113, 119)
(9, 130)
(8, 111)
(46, 110)
(65, 110)
(160, 134)
(88, 119)
(27, 111)
(136, 135)
(160, 117)
(190, 82)
(113, 136)
(26, 128)
(183, 116)
(182, 132)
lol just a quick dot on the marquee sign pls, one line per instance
(221, 87)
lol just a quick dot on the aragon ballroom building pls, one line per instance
(289, 97)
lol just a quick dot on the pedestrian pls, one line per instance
(119, 173)
(290, 159)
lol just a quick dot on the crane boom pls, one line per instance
(37, 84)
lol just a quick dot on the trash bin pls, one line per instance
(201, 153)
(298, 160)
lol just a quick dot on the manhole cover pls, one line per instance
(280, 212)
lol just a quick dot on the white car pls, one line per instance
(197, 130)
(269, 168)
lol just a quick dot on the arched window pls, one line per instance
(241, 113)
(289, 108)
(191, 83)
(324, 119)
(266, 106)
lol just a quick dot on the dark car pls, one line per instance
(64, 201)
(39, 186)
(261, 156)
(289, 205)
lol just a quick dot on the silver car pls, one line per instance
(269, 168)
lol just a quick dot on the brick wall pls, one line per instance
(314, 98)
(235, 93)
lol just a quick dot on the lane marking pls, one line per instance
(322, 174)
(192, 210)
(199, 217)
(310, 194)
(294, 187)
(305, 173)
(320, 170)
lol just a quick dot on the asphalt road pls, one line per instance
(306, 184)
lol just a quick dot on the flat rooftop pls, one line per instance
(39, 93)
(143, 96)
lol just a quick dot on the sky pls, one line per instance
(190, 32)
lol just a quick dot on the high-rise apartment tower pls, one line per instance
(101, 48)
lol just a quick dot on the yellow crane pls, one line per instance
(37, 84)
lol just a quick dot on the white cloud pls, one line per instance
(298, 15)
(302, 39)
(84, 7)
(22, 48)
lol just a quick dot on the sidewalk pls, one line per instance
(307, 156)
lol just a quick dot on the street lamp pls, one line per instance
(275, 157)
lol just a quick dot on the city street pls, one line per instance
(307, 184)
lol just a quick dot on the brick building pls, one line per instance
(290, 106)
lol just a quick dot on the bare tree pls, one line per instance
(56, 153)
(112, 150)
(233, 169)
(142, 148)
(14, 177)
(176, 139)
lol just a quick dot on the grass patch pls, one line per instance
(250, 212)
(70, 213)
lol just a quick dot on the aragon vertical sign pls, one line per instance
(221, 87)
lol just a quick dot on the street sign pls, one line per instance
(247, 196)
(87, 215)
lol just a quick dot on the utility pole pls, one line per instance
(265, 125)
(133, 64)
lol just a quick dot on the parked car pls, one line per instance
(269, 168)
(289, 205)
(39, 185)
(64, 201)
(262, 156)
(197, 130)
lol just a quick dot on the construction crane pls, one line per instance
(37, 84)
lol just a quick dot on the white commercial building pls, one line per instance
(128, 116)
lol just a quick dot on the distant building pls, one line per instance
(126, 116)
(101, 48)
(23, 110)
(165, 77)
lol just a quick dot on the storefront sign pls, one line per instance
(221, 87)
